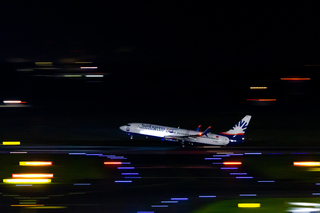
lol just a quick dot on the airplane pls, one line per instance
(232, 136)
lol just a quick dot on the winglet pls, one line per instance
(206, 131)
(198, 128)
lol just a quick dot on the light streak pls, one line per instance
(238, 173)
(39, 175)
(263, 99)
(14, 102)
(33, 181)
(112, 163)
(47, 207)
(170, 201)
(253, 153)
(125, 167)
(247, 195)
(11, 143)
(123, 181)
(249, 205)
(88, 67)
(129, 173)
(232, 163)
(179, 198)
(306, 163)
(244, 177)
(295, 79)
(229, 167)
(159, 206)
(35, 163)
(207, 196)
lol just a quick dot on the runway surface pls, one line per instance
(151, 178)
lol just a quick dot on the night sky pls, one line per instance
(179, 32)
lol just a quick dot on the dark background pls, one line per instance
(171, 63)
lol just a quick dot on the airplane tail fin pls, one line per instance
(235, 134)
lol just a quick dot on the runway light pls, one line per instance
(169, 201)
(229, 167)
(33, 181)
(125, 167)
(35, 163)
(262, 99)
(112, 163)
(247, 195)
(14, 102)
(238, 173)
(249, 205)
(88, 67)
(207, 196)
(39, 175)
(11, 143)
(25, 205)
(232, 163)
(179, 198)
(123, 181)
(306, 163)
(159, 206)
(295, 79)
(129, 173)
(258, 87)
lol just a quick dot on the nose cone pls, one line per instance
(123, 128)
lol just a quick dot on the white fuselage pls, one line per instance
(172, 133)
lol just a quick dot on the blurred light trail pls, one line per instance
(35, 163)
(295, 79)
(229, 167)
(24, 185)
(33, 181)
(179, 198)
(93, 154)
(94, 76)
(169, 201)
(316, 193)
(25, 205)
(244, 177)
(43, 63)
(303, 204)
(207, 196)
(258, 87)
(123, 181)
(11, 143)
(112, 163)
(14, 102)
(238, 173)
(306, 163)
(253, 153)
(213, 158)
(125, 167)
(262, 99)
(232, 163)
(221, 156)
(39, 175)
(18, 152)
(249, 205)
(247, 195)
(129, 173)
(266, 181)
(77, 153)
(89, 68)
(145, 211)
(159, 206)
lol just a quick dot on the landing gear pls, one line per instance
(131, 137)
(182, 144)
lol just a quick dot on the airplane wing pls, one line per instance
(181, 138)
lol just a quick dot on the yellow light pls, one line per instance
(33, 181)
(26, 205)
(249, 205)
(232, 163)
(112, 163)
(11, 143)
(314, 169)
(35, 163)
(39, 175)
(306, 163)
(43, 63)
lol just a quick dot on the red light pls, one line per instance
(200, 134)
(112, 163)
